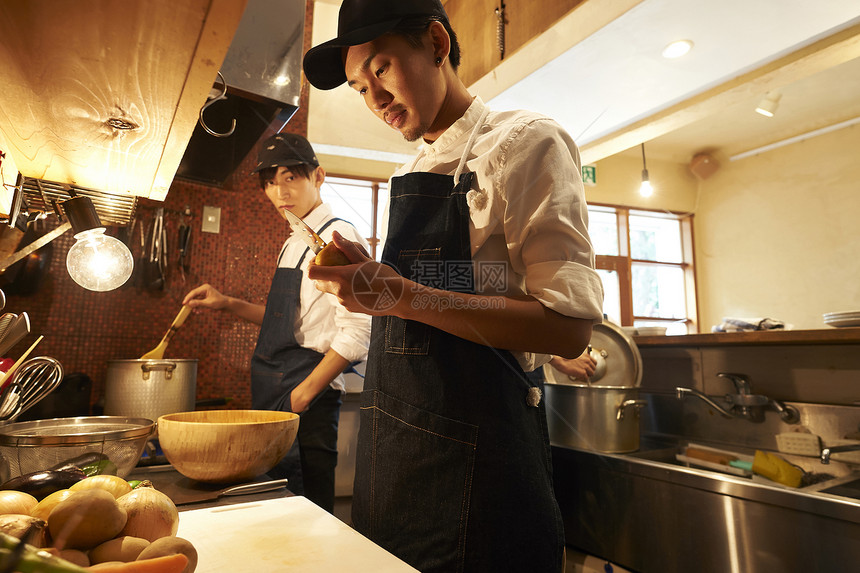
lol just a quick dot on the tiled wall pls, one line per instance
(84, 329)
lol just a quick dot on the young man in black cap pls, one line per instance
(306, 339)
(488, 274)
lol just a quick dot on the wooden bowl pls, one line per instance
(223, 446)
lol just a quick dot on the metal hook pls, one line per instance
(210, 101)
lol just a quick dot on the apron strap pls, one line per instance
(472, 137)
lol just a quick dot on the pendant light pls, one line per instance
(645, 189)
(96, 261)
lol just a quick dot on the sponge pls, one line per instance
(776, 468)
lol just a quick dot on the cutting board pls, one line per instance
(289, 534)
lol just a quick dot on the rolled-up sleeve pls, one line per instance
(353, 334)
(546, 219)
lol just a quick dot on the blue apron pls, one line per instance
(453, 468)
(279, 363)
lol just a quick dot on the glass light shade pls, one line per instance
(99, 262)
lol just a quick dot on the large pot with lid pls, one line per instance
(602, 412)
(150, 388)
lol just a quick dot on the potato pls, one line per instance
(170, 546)
(74, 556)
(331, 256)
(86, 519)
(124, 548)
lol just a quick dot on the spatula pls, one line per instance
(157, 353)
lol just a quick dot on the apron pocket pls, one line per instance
(406, 336)
(423, 462)
(423, 266)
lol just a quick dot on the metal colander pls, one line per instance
(41, 444)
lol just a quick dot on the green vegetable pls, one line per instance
(101, 467)
(34, 560)
(134, 483)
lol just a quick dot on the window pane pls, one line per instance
(611, 295)
(351, 200)
(658, 291)
(603, 228)
(380, 208)
(381, 231)
(655, 238)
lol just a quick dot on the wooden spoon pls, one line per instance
(157, 353)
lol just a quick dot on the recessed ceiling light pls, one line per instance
(677, 49)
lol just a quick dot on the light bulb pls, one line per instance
(645, 189)
(99, 262)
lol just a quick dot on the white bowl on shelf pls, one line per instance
(651, 330)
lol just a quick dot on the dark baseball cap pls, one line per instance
(285, 150)
(361, 21)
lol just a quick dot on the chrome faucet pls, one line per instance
(681, 392)
(744, 404)
(825, 453)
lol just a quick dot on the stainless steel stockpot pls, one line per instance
(601, 413)
(150, 388)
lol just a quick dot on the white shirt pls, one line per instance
(322, 323)
(527, 210)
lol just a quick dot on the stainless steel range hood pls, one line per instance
(263, 75)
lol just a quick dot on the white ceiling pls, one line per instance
(613, 90)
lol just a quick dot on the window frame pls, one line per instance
(622, 264)
(374, 187)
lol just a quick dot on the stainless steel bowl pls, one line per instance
(41, 444)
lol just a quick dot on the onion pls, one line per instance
(43, 508)
(151, 514)
(114, 485)
(20, 502)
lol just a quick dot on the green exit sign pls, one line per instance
(589, 175)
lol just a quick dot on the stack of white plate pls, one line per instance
(848, 318)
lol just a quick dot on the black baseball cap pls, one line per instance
(361, 21)
(285, 150)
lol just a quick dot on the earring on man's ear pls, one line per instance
(438, 61)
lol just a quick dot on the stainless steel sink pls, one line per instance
(849, 489)
(818, 476)
(647, 512)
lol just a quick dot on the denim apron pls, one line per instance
(279, 363)
(453, 468)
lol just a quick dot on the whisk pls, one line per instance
(34, 379)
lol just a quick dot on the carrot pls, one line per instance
(168, 564)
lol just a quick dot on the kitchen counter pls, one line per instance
(645, 512)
